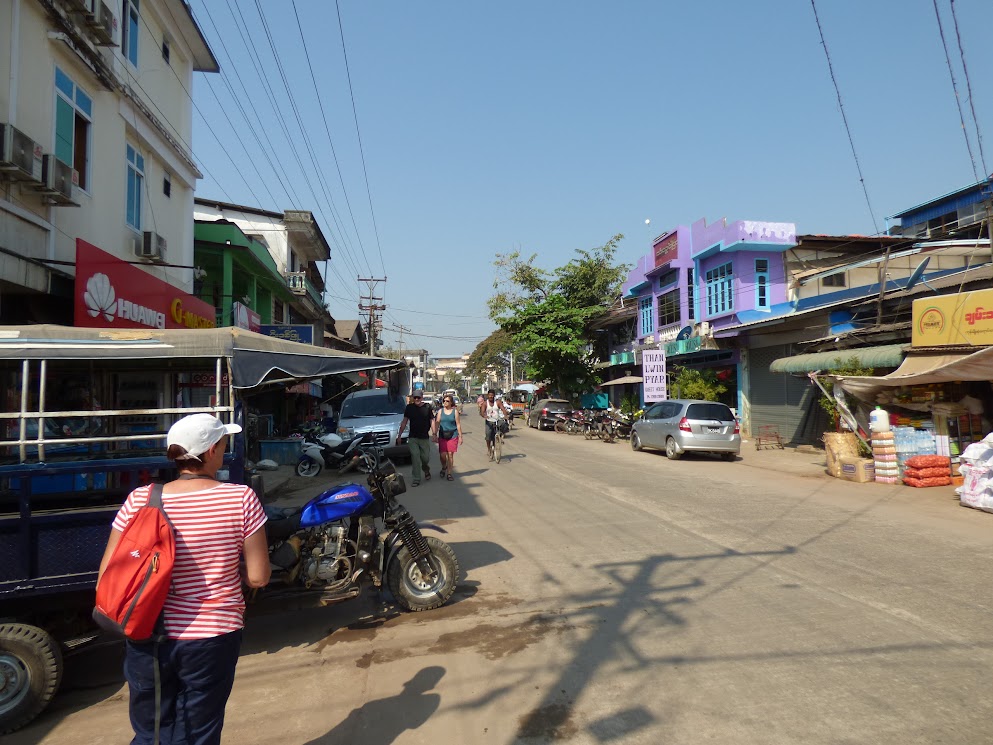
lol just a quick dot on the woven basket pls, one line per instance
(838, 445)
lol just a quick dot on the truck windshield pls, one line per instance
(366, 406)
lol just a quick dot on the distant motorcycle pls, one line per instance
(349, 535)
(333, 452)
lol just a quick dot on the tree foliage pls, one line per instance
(547, 313)
(851, 366)
(702, 385)
(489, 353)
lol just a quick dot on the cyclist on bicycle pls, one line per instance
(493, 411)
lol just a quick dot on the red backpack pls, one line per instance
(133, 587)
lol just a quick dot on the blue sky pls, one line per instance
(547, 127)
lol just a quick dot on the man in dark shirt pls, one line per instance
(419, 415)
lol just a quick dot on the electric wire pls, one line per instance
(327, 128)
(968, 88)
(844, 117)
(303, 130)
(955, 90)
(358, 134)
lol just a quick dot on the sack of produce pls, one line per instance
(919, 483)
(928, 461)
(927, 473)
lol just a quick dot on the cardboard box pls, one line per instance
(859, 470)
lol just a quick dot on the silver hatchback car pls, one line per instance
(680, 426)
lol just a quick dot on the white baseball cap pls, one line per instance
(198, 433)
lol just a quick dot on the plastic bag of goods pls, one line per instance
(920, 483)
(928, 461)
(836, 446)
(977, 452)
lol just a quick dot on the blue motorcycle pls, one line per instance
(350, 535)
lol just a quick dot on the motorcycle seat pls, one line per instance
(282, 523)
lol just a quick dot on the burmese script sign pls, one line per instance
(653, 375)
(963, 319)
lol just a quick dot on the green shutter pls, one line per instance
(65, 119)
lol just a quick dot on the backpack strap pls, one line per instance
(155, 497)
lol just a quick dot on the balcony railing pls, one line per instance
(298, 284)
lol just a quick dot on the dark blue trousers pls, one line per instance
(196, 678)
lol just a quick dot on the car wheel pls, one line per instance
(730, 457)
(635, 442)
(671, 451)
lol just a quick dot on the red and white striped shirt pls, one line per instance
(211, 525)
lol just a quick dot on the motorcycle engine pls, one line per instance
(328, 562)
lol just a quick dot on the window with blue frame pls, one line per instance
(762, 284)
(73, 118)
(647, 317)
(136, 181)
(720, 289)
(129, 44)
(690, 295)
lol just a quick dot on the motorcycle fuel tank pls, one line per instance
(335, 504)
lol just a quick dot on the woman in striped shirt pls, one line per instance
(215, 525)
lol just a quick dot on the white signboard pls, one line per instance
(653, 375)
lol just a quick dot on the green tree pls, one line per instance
(702, 385)
(547, 314)
(489, 353)
(841, 367)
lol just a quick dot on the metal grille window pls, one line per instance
(647, 322)
(720, 290)
(690, 295)
(669, 308)
(762, 284)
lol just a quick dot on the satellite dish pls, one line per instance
(684, 333)
(918, 273)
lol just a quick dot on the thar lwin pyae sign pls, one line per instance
(653, 375)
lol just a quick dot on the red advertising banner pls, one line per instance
(111, 293)
(245, 318)
(666, 249)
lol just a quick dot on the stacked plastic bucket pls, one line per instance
(883, 447)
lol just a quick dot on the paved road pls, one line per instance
(616, 597)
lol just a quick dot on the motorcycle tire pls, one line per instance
(411, 590)
(308, 467)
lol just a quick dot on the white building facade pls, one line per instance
(95, 102)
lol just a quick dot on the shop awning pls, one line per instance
(889, 355)
(255, 359)
(923, 369)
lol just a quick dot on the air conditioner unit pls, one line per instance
(58, 181)
(151, 246)
(102, 24)
(704, 328)
(80, 6)
(20, 156)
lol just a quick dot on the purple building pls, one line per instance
(699, 279)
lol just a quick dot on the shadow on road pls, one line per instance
(381, 721)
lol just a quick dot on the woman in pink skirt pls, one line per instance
(448, 433)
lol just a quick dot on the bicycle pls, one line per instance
(498, 442)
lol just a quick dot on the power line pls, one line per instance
(955, 90)
(844, 118)
(358, 134)
(968, 88)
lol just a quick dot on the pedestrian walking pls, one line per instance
(220, 543)
(492, 410)
(419, 415)
(448, 433)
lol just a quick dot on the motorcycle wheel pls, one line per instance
(308, 467)
(412, 591)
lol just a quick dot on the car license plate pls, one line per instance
(714, 429)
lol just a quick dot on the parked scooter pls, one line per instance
(348, 535)
(333, 452)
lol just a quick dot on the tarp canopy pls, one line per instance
(889, 355)
(925, 368)
(255, 358)
(627, 379)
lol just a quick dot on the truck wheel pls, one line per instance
(30, 671)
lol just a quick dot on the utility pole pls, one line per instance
(373, 304)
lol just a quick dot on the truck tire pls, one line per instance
(30, 672)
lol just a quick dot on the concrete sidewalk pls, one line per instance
(803, 461)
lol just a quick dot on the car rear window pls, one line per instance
(558, 405)
(709, 411)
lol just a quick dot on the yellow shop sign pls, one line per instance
(963, 319)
